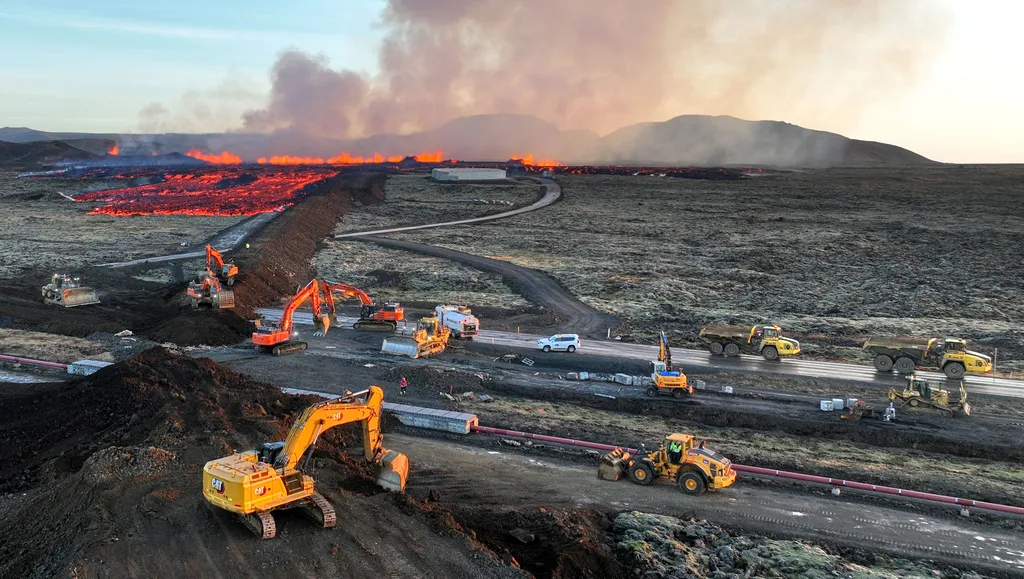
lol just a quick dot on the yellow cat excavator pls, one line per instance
(254, 483)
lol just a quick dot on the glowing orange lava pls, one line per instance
(435, 157)
(210, 192)
(225, 158)
(114, 150)
(289, 160)
(528, 160)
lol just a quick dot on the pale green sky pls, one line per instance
(76, 66)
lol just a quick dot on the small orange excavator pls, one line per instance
(373, 317)
(276, 337)
(226, 272)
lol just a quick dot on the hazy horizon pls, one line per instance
(934, 77)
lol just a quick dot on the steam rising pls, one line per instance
(599, 66)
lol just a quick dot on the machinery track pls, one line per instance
(320, 511)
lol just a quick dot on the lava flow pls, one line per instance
(225, 158)
(114, 150)
(528, 160)
(209, 192)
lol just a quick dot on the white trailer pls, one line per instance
(460, 320)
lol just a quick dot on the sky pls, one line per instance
(77, 66)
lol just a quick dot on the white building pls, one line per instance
(449, 174)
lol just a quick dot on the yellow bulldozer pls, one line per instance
(430, 337)
(919, 394)
(681, 459)
(67, 291)
(254, 483)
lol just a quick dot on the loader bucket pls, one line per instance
(226, 299)
(394, 471)
(613, 465)
(401, 347)
(79, 296)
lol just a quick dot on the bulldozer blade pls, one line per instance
(80, 296)
(226, 299)
(401, 347)
(394, 471)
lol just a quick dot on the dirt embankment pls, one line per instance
(105, 480)
(277, 261)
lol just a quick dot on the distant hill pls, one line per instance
(688, 140)
(40, 153)
(723, 140)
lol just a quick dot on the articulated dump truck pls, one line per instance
(767, 341)
(905, 355)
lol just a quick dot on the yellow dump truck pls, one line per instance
(905, 355)
(767, 341)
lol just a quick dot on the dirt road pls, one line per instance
(455, 471)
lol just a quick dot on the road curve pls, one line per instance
(552, 193)
(701, 359)
(536, 286)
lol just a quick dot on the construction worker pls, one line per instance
(403, 384)
(890, 414)
(675, 451)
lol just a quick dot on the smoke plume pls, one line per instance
(591, 65)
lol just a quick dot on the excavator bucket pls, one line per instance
(394, 471)
(79, 296)
(401, 347)
(613, 465)
(321, 325)
(225, 299)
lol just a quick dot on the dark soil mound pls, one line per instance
(106, 474)
(39, 153)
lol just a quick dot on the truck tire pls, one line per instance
(641, 473)
(770, 353)
(905, 365)
(883, 363)
(691, 482)
(652, 391)
(954, 370)
(716, 348)
(678, 393)
(732, 349)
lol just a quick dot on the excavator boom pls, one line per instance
(276, 336)
(226, 272)
(372, 317)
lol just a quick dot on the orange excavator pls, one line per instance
(208, 292)
(373, 317)
(276, 337)
(226, 272)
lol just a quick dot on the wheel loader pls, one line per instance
(694, 467)
(919, 394)
(67, 291)
(254, 483)
(429, 338)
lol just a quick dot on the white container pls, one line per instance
(624, 379)
(826, 405)
(572, 376)
(837, 403)
(584, 375)
(726, 389)
(86, 367)
(851, 402)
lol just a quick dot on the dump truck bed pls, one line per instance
(727, 332)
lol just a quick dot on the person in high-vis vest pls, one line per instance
(675, 452)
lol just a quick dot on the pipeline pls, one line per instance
(6, 358)
(781, 474)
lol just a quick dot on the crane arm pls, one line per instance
(310, 292)
(214, 256)
(323, 416)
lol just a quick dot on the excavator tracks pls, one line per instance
(288, 348)
(375, 326)
(260, 523)
(320, 511)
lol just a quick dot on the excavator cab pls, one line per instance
(270, 451)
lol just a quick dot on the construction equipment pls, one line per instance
(667, 380)
(67, 291)
(208, 292)
(429, 338)
(767, 341)
(680, 458)
(858, 410)
(460, 320)
(905, 355)
(254, 483)
(373, 317)
(276, 337)
(918, 394)
(226, 272)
